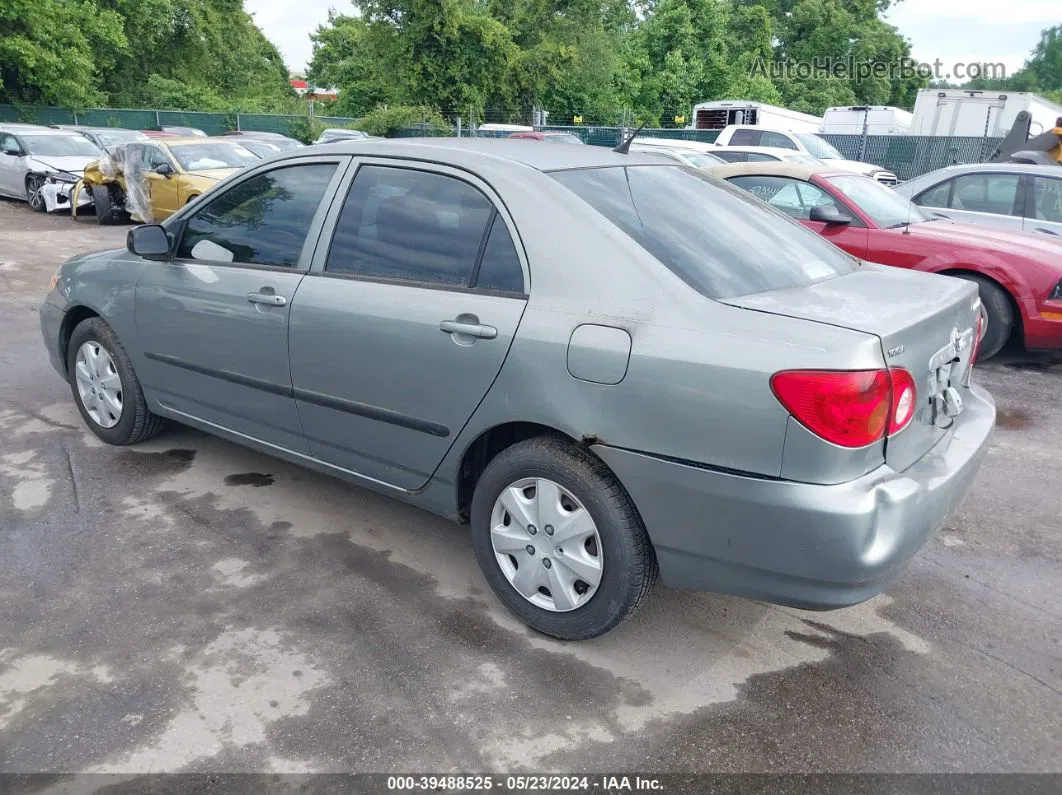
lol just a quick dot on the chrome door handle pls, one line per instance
(269, 299)
(469, 329)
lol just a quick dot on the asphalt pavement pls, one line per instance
(189, 605)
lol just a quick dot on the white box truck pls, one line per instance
(977, 114)
(724, 112)
(876, 120)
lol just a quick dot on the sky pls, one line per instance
(992, 31)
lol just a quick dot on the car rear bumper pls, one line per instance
(811, 546)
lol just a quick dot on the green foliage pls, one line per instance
(387, 120)
(1041, 73)
(306, 130)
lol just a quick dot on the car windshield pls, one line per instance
(59, 146)
(818, 147)
(885, 207)
(217, 154)
(720, 240)
(112, 138)
(563, 138)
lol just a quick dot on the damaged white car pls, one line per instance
(41, 165)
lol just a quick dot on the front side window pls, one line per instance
(790, 196)
(153, 158)
(9, 144)
(938, 196)
(777, 140)
(884, 206)
(985, 193)
(263, 220)
(1047, 199)
(399, 223)
(715, 237)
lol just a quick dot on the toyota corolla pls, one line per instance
(609, 365)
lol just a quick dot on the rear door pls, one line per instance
(11, 169)
(405, 319)
(992, 199)
(1043, 206)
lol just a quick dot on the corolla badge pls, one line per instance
(961, 340)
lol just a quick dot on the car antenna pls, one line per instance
(625, 147)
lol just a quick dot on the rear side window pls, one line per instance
(398, 223)
(777, 140)
(718, 239)
(745, 138)
(1047, 200)
(500, 268)
(734, 157)
(263, 220)
(985, 193)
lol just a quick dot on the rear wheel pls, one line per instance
(105, 388)
(559, 540)
(34, 184)
(999, 315)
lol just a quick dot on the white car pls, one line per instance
(763, 154)
(41, 165)
(807, 143)
(689, 153)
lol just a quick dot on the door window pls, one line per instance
(790, 196)
(757, 157)
(768, 138)
(400, 223)
(985, 193)
(263, 220)
(500, 268)
(1047, 200)
(936, 197)
(9, 144)
(153, 158)
(733, 157)
(745, 138)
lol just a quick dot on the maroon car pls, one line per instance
(1019, 275)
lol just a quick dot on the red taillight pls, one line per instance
(848, 408)
(978, 334)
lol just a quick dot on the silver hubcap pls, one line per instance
(34, 188)
(98, 384)
(546, 544)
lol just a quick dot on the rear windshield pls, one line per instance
(720, 240)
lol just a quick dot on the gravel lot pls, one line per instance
(188, 605)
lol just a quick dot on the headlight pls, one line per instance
(63, 177)
(1056, 294)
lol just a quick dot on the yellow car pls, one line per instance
(151, 180)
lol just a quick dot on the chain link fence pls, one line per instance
(908, 156)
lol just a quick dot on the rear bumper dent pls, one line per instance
(811, 546)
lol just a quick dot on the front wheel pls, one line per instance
(105, 388)
(34, 196)
(559, 540)
(999, 315)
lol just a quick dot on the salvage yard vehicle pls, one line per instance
(106, 138)
(687, 157)
(1018, 275)
(1013, 196)
(489, 329)
(804, 142)
(150, 181)
(262, 144)
(763, 154)
(41, 165)
(552, 136)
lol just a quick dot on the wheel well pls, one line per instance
(1018, 325)
(73, 318)
(483, 450)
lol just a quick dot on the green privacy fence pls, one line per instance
(210, 123)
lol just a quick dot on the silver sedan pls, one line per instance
(1007, 195)
(609, 365)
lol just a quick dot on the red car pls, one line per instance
(1019, 275)
(553, 136)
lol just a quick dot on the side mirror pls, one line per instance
(12, 152)
(149, 241)
(165, 169)
(831, 215)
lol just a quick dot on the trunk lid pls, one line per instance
(925, 324)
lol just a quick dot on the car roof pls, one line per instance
(465, 150)
(676, 143)
(18, 126)
(35, 129)
(193, 140)
(799, 171)
(1010, 168)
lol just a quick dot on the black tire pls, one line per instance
(106, 202)
(999, 315)
(137, 423)
(629, 563)
(34, 182)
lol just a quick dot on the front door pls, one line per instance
(404, 322)
(11, 168)
(213, 323)
(163, 189)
